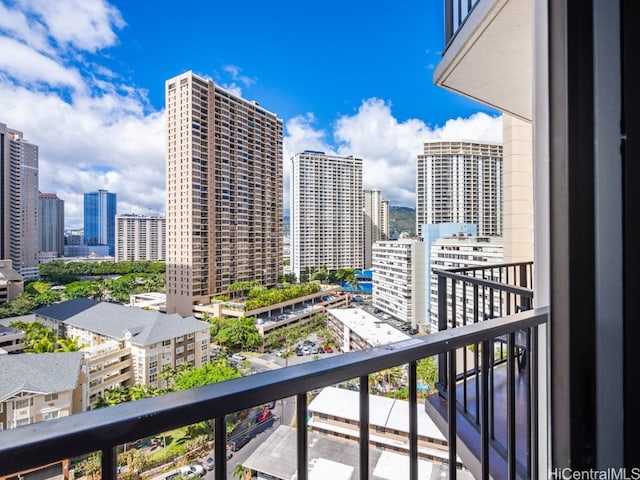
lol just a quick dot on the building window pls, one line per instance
(191, 346)
(51, 397)
(23, 421)
(179, 350)
(180, 339)
(166, 343)
(191, 358)
(24, 403)
(179, 361)
(50, 415)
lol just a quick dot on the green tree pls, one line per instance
(427, 372)
(91, 466)
(208, 374)
(239, 333)
(84, 289)
(239, 471)
(68, 345)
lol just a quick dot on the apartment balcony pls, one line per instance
(495, 382)
(489, 53)
(105, 429)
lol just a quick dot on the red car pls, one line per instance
(328, 349)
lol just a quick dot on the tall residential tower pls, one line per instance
(376, 222)
(224, 192)
(326, 212)
(50, 225)
(19, 202)
(460, 182)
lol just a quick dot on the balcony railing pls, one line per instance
(105, 429)
(455, 14)
(496, 375)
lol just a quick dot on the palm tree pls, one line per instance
(239, 471)
(41, 345)
(68, 345)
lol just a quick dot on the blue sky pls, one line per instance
(84, 79)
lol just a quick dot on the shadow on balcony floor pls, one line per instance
(468, 431)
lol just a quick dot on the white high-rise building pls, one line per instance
(19, 202)
(140, 237)
(460, 182)
(224, 192)
(376, 222)
(326, 212)
(459, 251)
(399, 280)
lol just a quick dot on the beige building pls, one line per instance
(335, 412)
(11, 282)
(140, 237)
(460, 182)
(326, 212)
(224, 192)
(40, 387)
(127, 345)
(376, 222)
(518, 189)
(19, 202)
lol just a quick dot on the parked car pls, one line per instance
(191, 471)
(210, 462)
(299, 352)
(238, 357)
(328, 349)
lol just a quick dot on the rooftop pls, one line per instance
(368, 326)
(38, 373)
(384, 412)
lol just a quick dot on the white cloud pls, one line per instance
(389, 148)
(16, 25)
(26, 64)
(83, 24)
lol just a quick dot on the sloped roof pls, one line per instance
(146, 327)
(38, 372)
(62, 311)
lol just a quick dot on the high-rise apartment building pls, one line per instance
(326, 212)
(140, 237)
(459, 251)
(384, 219)
(19, 202)
(376, 221)
(460, 182)
(399, 280)
(224, 192)
(100, 219)
(50, 225)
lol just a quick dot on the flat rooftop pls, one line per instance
(367, 326)
(335, 458)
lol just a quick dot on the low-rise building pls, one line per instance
(40, 387)
(274, 319)
(11, 282)
(355, 329)
(11, 340)
(336, 411)
(154, 339)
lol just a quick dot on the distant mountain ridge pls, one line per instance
(401, 219)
